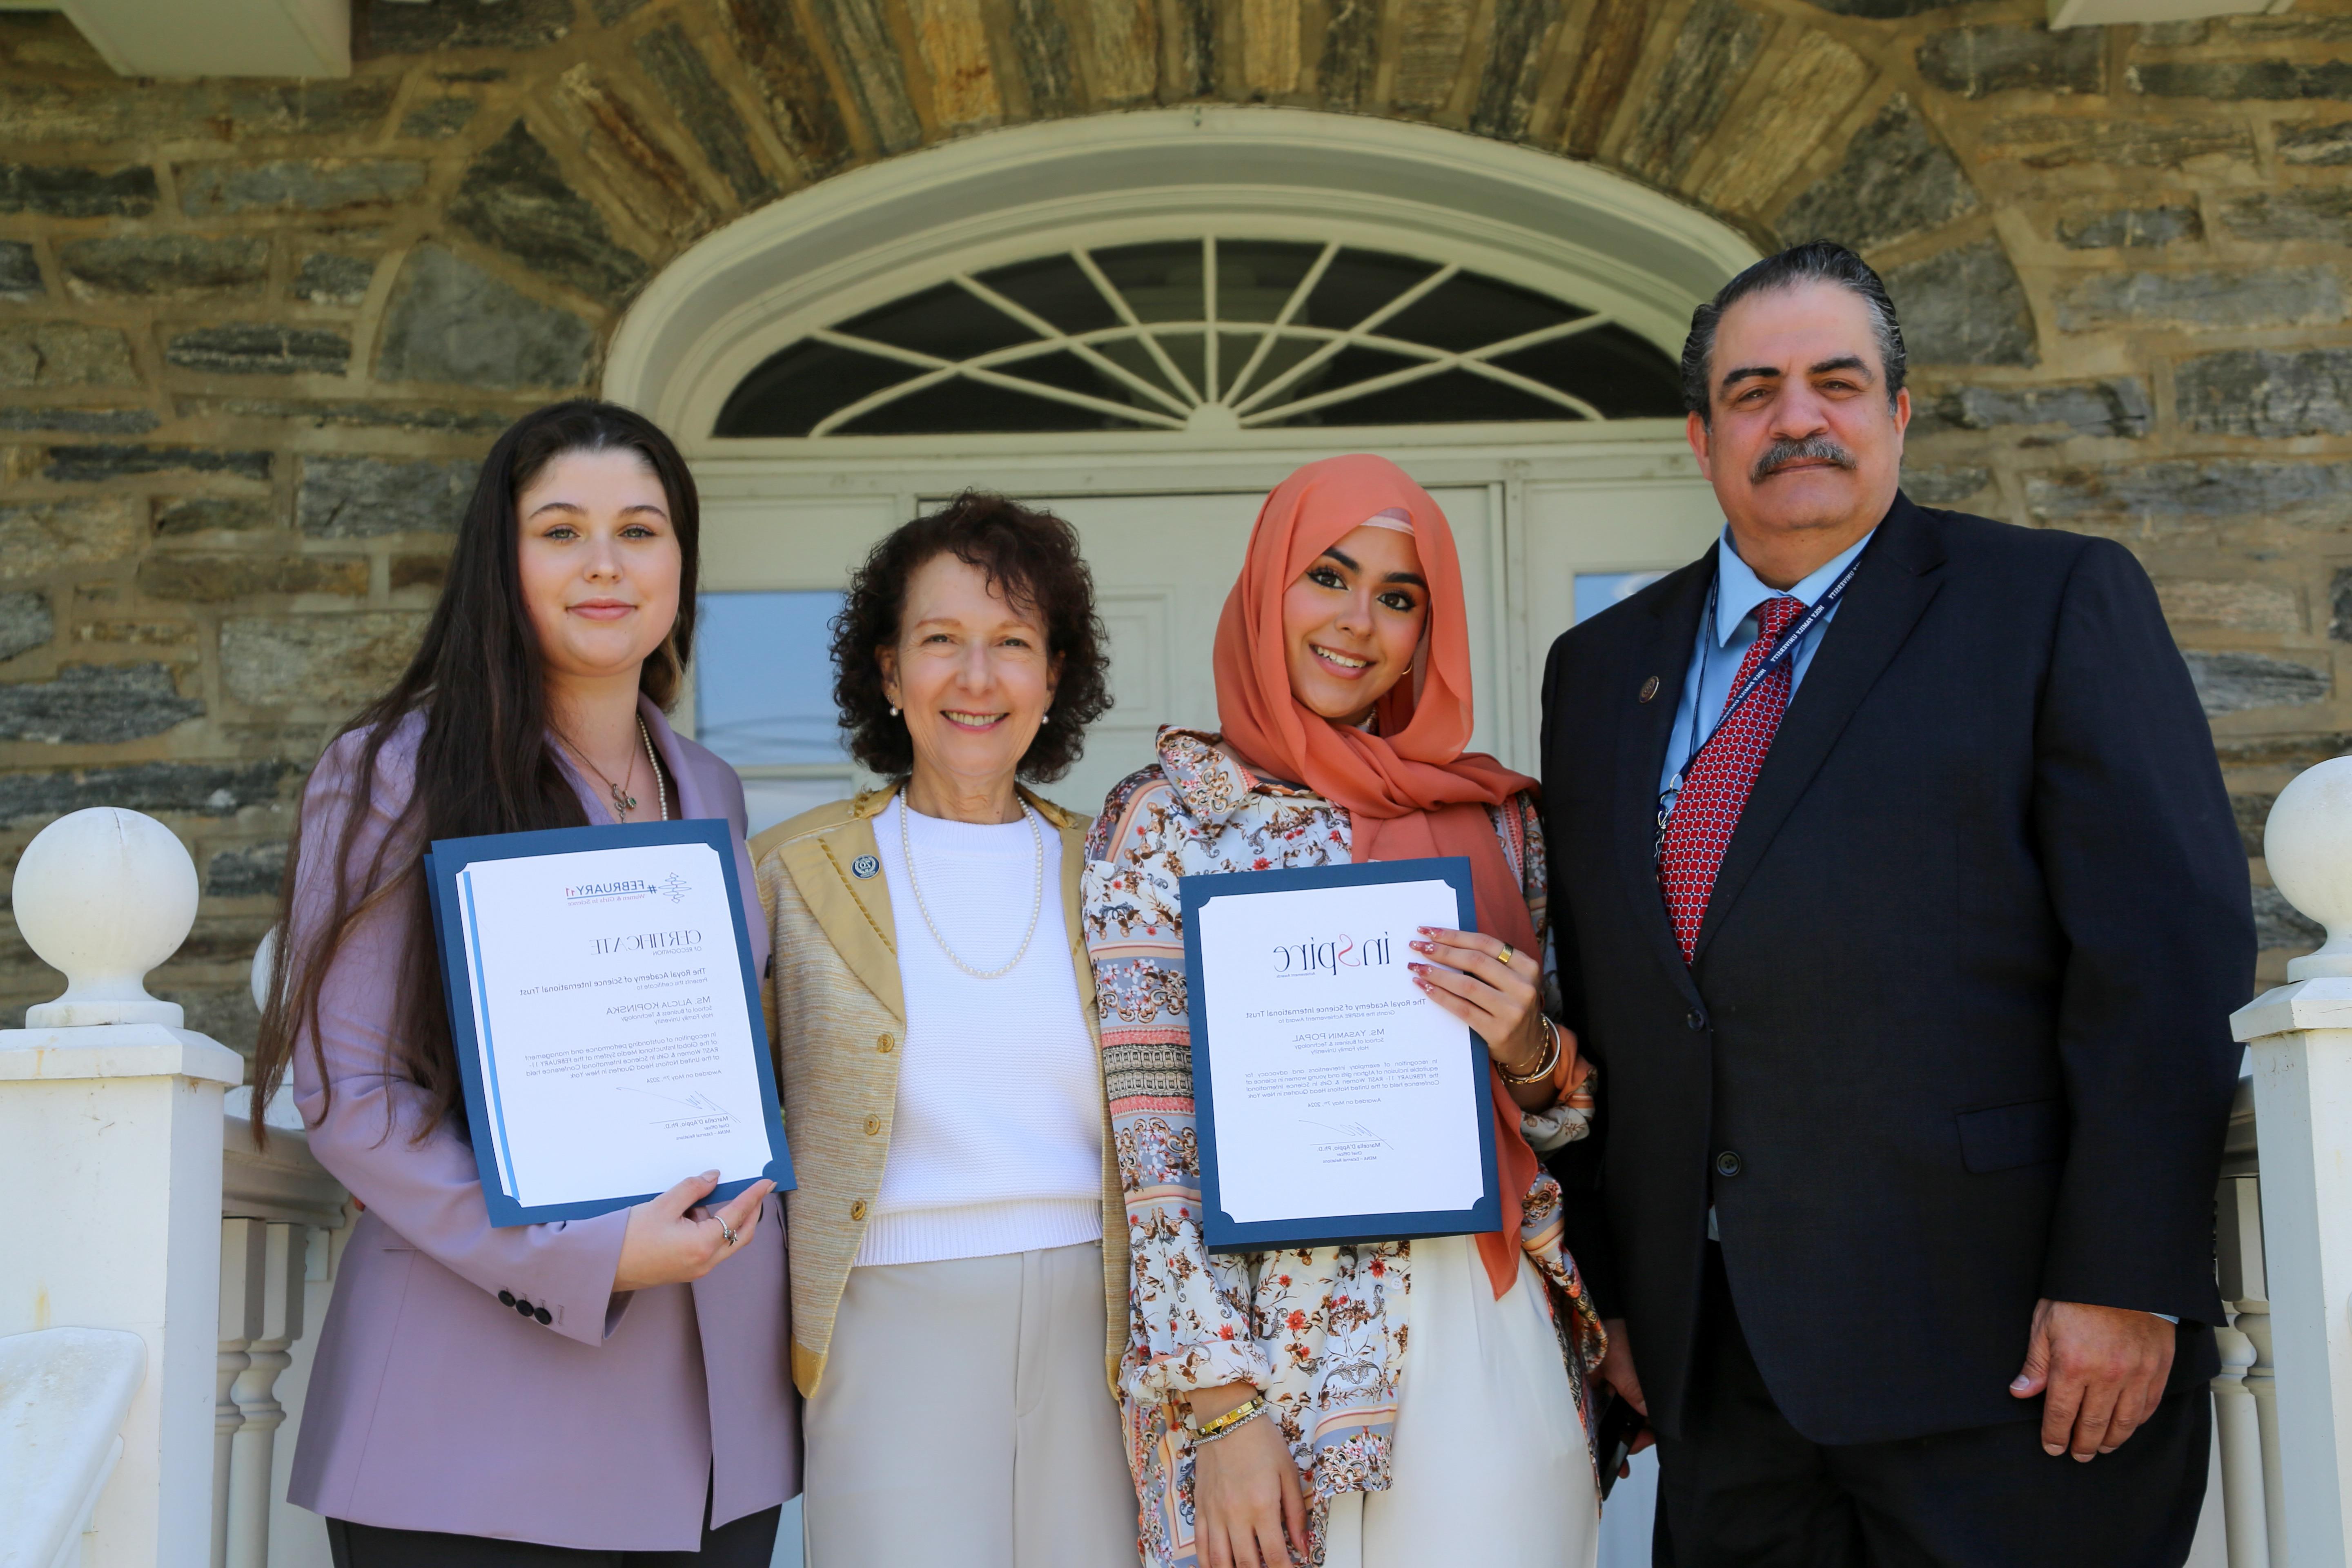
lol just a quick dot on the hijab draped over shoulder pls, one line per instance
(1408, 784)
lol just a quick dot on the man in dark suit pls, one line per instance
(1898, 898)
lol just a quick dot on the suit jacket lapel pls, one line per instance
(1659, 646)
(854, 911)
(1896, 579)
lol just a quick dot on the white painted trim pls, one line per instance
(1544, 222)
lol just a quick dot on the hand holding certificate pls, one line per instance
(1336, 1102)
(605, 1015)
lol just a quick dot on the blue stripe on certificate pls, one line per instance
(490, 1053)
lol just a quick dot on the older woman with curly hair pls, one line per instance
(958, 1304)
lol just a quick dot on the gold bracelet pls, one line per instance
(1240, 1415)
(1544, 1068)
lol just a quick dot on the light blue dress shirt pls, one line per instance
(1714, 660)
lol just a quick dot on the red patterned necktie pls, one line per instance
(1716, 785)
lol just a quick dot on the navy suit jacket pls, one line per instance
(1956, 1036)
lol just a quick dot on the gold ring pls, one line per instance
(1506, 955)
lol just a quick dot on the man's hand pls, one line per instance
(2105, 1369)
(1616, 1370)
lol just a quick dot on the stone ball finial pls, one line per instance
(2308, 846)
(104, 895)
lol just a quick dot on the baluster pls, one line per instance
(250, 1462)
(243, 1244)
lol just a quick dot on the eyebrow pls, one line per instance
(1344, 559)
(575, 507)
(1772, 373)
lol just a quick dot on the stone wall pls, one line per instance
(254, 335)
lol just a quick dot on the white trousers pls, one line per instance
(964, 1417)
(1490, 1465)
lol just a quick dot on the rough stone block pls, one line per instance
(26, 623)
(1812, 85)
(1122, 42)
(1718, 41)
(405, 29)
(1897, 179)
(323, 414)
(514, 198)
(2117, 408)
(1508, 80)
(2268, 297)
(215, 110)
(334, 662)
(2238, 605)
(81, 421)
(219, 579)
(2317, 146)
(20, 272)
(191, 789)
(1430, 39)
(438, 117)
(611, 11)
(451, 321)
(2257, 392)
(137, 634)
(361, 498)
(1974, 62)
(867, 53)
(2170, 35)
(2232, 682)
(2186, 488)
(95, 705)
(1047, 57)
(2280, 925)
(627, 163)
(2340, 605)
(181, 264)
(250, 871)
(1964, 306)
(1883, 10)
(419, 571)
(678, 69)
(952, 39)
(69, 190)
(1613, 33)
(784, 62)
(81, 464)
(2251, 814)
(177, 516)
(297, 185)
(2130, 228)
(2313, 213)
(38, 538)
(2270, 79)
(256, 348)
(2058, 141)
(43, 355)
(1942, 487)
(325, 278)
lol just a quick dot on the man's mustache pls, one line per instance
(1812, 449)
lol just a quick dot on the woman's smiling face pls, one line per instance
(1351, 621)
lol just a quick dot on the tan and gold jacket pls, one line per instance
(836, 1018)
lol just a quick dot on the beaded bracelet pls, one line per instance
(1233, 1420)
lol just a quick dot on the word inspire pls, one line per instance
(1297, 959)
(645, 941)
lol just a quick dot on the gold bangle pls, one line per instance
(1240, 1415)
(1544, 1068)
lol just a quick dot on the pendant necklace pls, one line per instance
(1037, 893)
(623, 802)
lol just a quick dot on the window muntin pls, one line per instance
(1212, 333)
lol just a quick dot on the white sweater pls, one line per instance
(996, 1139)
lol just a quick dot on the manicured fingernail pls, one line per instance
(2021, 1380)
(2053, 1449)
(1423, 946)
(1426, 931)
(2082, 1458)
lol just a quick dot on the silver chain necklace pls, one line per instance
(623, 802)
(1037, 893)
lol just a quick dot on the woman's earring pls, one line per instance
(894, 712)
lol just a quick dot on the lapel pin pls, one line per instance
(1649, 689)
(864, 865)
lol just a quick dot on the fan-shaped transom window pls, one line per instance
(1208, 334)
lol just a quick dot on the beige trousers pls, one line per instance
(1491, 1465)
(964, 1417)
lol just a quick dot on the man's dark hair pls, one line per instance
(1815, 261)
(1032, 558)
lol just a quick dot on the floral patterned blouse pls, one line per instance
(1323, 1329)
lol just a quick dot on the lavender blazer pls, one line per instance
(433, 1404)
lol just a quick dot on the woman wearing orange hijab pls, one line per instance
(1343, 692)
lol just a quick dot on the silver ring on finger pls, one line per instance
(727, 1231)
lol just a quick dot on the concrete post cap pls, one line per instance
(104, 896)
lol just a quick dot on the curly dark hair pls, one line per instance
(1032, 557)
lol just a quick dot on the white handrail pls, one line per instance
(63, 1396)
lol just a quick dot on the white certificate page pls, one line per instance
(1338, 1088)
(618, 1053)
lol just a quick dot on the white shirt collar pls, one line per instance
(1738, 590)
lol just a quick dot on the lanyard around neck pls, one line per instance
(1784, 652)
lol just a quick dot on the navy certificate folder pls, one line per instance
(1221, 1231)
(444, 863)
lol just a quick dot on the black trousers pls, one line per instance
(1743, 1489)
(746, 1542)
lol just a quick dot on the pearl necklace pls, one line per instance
(1037, 893)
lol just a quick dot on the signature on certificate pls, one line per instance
(696, 1106)
(1350, 1131)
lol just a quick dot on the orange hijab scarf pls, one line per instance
(1411, 791)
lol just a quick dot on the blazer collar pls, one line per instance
(1658, 661)
(1896, 578)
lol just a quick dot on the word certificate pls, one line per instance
(605, 1018)
(1336, 1101)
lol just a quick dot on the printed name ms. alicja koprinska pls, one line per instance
(1336, 1102)
(607, 1016)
